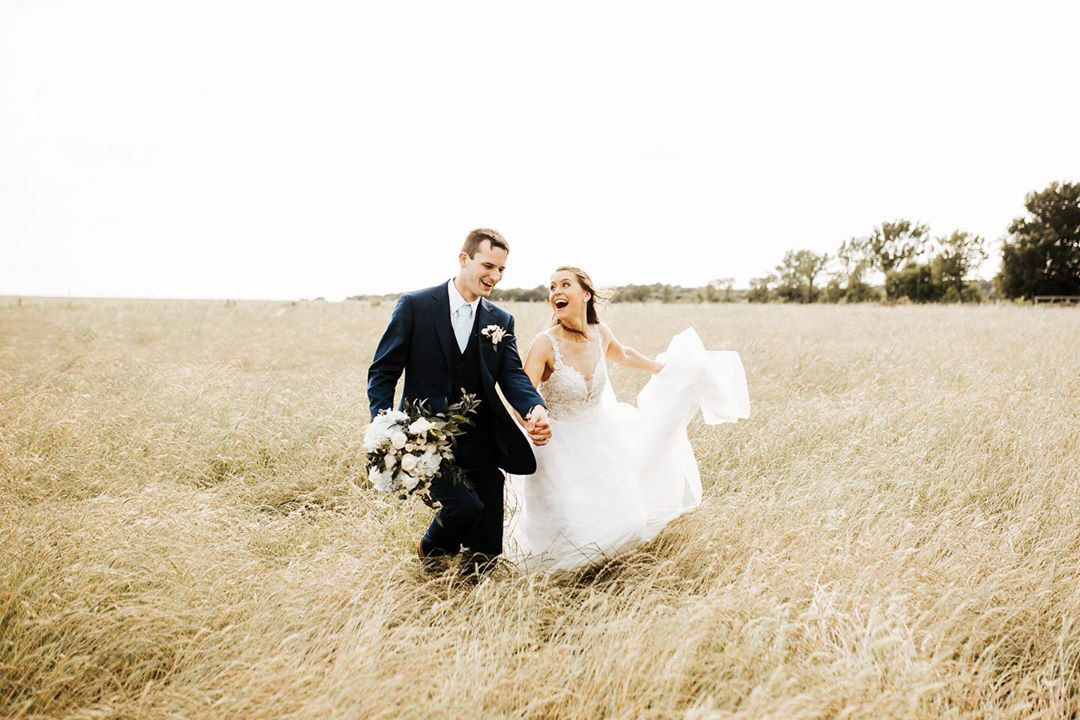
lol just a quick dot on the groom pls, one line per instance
(436, 337)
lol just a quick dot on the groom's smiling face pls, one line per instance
(482, 272)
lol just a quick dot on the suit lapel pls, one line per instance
(489, 356)
(440, 315)
(481, 316)
(481, 322)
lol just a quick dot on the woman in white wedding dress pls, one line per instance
(612, 475)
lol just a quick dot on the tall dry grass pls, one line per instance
(185, 529)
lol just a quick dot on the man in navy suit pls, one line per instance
(436, 338)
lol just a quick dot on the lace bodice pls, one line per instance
(565, 392)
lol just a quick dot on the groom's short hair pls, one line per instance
(472, 242)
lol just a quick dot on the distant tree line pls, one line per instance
(900, 261)
(912, 263)
(721, 290)
(1040, 256)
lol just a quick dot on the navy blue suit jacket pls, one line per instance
(419, 341)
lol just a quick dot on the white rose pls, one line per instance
(420, 426)
(408, 462)
(430, 462)
(375, 433)
(383, 481)
(390, 460)
(408, 481)
(398, 439)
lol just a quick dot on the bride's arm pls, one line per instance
(627, 356)
(540, 356)
(540, 361)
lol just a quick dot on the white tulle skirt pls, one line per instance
(615, 475)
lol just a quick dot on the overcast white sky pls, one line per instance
(270, 149)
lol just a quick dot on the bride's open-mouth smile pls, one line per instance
(560, 303)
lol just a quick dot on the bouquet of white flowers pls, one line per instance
(407, 449)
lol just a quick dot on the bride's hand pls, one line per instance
(538, 427)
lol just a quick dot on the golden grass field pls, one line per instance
(186, 531)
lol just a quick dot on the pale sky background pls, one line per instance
(270, 149)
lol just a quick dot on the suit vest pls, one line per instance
(476, 448)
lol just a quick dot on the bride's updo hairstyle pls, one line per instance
(586, 283)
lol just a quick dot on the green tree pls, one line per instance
(959, 253)
(536, 294)
(724, 288)
(632, 293)
(915, 281)
(834, 289)
(1041, 255)
(891, 245)
(761, 289)
(854, 262)
(797, 273)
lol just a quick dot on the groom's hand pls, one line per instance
(538, 426)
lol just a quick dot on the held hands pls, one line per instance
(538, 426)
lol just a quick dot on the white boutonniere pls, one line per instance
(495, 334)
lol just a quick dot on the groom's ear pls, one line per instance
(462, 257)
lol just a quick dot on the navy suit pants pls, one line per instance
(469, 518)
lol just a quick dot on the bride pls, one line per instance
(612, 475)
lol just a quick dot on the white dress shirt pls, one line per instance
(462, 315)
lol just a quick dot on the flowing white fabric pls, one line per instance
(613, 475)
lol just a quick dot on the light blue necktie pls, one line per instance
(463, 325)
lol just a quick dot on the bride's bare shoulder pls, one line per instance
(541, 342)
(613, 349)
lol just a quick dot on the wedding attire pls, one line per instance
(613, 475)
(435, 337)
